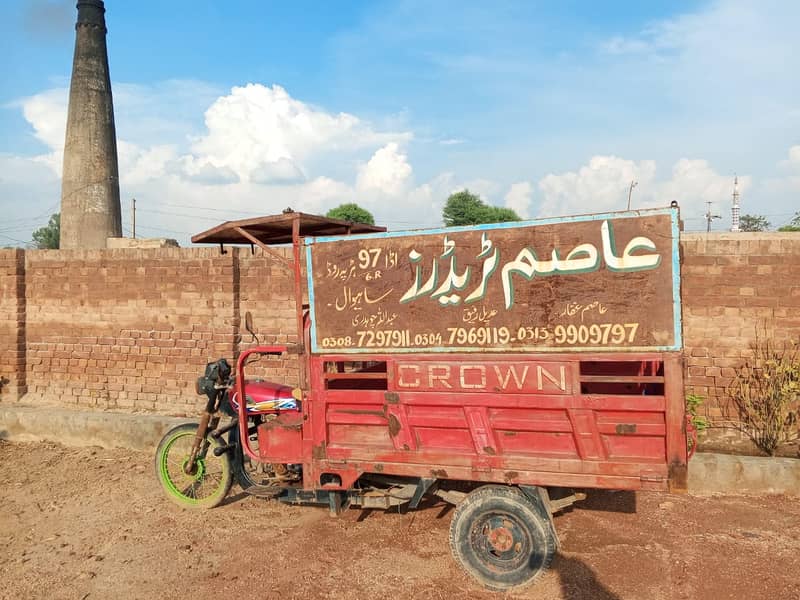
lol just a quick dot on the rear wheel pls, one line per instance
(207, 483)
(255, 479)
(502, 537)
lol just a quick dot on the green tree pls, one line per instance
(500, 214)
(351, 212)
(793, 225)
(754, 223)
(466, 208)
(463, 208)
(48, 237)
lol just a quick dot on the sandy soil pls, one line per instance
(87, 523)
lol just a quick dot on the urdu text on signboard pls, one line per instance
(590, 283)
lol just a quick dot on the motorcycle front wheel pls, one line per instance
(206, 484)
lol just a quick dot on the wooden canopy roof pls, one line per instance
(278, 229)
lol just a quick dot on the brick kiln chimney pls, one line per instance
(90, 208)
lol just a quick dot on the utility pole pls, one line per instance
(630, 191)
(133, 220)
(710, 217)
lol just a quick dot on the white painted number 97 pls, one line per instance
(365, 261)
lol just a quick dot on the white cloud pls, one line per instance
(793, 161)
(262, 151)
(601, 185)
(47, 113)
(262, 133)
(785, 186)
(203, 171)
(518, 198)
(387, 171)
(694, 183)
(255, 133)
(138, 165)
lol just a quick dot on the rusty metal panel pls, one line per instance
(592, 283)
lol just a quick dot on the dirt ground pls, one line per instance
(88, 523)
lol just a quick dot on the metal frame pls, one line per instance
(289, 227)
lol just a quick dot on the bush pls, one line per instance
(698, 422)
(765, 393)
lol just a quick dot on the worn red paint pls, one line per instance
(573, 419)
(588, 420)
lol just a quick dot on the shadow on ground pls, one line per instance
(578, 581)
(609, 501)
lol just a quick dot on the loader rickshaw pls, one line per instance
(504, 369)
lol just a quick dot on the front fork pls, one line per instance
(208, 422)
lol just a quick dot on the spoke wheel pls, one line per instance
(501, 537)
(205, 485)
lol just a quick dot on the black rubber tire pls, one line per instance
(206, 489)
(522, 530)
(243, 477)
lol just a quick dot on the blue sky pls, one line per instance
(230, 109)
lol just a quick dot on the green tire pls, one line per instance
(213, 476)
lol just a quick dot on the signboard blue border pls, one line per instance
(673, 212)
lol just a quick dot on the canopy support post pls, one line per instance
(298, 298)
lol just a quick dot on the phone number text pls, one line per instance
(596, 334)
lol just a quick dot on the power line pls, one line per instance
(173, 214)
(19, 220)
(15, 239)
(222, 210)
(162, 229)
(17, 228)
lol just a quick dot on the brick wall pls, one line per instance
(733, 284)
(131, 329)
(12, 324)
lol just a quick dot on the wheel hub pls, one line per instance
(501, 539)
(196, 471)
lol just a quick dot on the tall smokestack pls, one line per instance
(90, 209)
